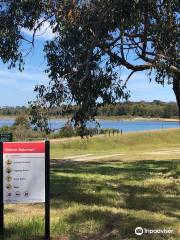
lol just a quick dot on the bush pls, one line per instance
(5, 129)
(22, 133)
(22, 121)
(67, 131)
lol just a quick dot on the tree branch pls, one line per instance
(129, 77)
(96, 35)
(127, 64)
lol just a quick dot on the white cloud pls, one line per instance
(141, 89)
(45, 33)
(17, 88)
(27, 76)
(20, 84)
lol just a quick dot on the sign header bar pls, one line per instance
(23, 147)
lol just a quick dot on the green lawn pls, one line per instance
(107, 198)
(128, 143)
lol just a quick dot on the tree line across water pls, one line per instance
(157, 109)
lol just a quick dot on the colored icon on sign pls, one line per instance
(26, 194)
(8, 170)
(9, 162)
(9, 178)
(17, 194)
(9, 186)
(9, 194)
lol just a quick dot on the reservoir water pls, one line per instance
(126, 126)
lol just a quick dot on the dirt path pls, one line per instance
(88, 157)
(77, 156)
(57, 140)
(173, 151)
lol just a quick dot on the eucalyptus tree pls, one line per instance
(94, 41)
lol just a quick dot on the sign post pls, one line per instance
(24, 169)
(4, 137)
(47, 192)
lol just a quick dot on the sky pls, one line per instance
(16, 88)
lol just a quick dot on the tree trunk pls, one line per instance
(176, 89)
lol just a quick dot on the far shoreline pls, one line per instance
(117, 118)
(111, 118)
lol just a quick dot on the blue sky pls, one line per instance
(16, 88)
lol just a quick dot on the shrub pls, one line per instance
(22, 133)
(22, 121)
(67, 131)
(5, 129)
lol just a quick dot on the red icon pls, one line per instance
(9, 194)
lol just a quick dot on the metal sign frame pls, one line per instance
(47, 190)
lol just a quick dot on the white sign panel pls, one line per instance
(24, 172)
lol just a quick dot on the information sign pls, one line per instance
(6, 137)
(23, 172)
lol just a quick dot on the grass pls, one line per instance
(128, 143)
(107, 199)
